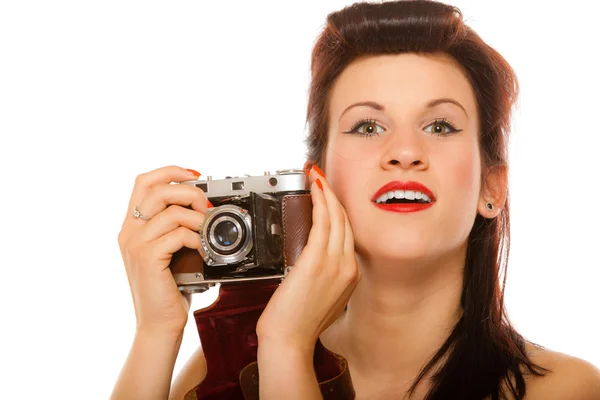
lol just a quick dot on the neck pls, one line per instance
(399, 315)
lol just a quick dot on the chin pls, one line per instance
(401, 246)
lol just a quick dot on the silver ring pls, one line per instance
(138, 214)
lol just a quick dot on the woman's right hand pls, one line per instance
(147, 246)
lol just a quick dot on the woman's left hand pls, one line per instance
(318, 287)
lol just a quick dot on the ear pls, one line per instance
(494, 191)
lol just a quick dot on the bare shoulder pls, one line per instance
(570, 377)
(192, 373)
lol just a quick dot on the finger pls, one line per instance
(337, 221)
(349, 258)
(169, 220)
(318, 236)
(351, 277)
(145, 181)
(346, 279)
(173, 241)
(348, 236)
(160, 196)
(347, 294)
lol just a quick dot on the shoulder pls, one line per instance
(569, 377)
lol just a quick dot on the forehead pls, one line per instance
(406, 81)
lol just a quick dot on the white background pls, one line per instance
(93, 93)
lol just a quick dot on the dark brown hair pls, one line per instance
(483, 354)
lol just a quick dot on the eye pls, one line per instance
(370, 126)
(441, 127)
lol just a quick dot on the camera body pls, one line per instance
(256, 230)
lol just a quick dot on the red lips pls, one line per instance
(398, 185)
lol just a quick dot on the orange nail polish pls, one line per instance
(319, 184)
(195, 173)
(316, 168)
(209, 204)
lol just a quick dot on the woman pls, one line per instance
(408, 114)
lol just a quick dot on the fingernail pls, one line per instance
(209, 204)
(316, 168)
(195, 173)
(319, 184)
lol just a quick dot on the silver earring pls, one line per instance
(489, 206)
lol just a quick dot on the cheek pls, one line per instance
(352, 152)
(461, 179)
(344, 178)
(347, 169)
(350, 183)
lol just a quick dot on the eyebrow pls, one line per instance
(430, 104)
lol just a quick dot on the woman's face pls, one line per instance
(409, 135)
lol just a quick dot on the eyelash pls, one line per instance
(365, 121)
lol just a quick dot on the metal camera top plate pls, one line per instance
(286, 181)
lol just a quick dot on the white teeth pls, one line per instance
(403, 194)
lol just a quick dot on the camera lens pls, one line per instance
(226, 233)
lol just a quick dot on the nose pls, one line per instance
(404, 152)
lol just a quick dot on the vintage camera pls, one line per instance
(256, 230)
